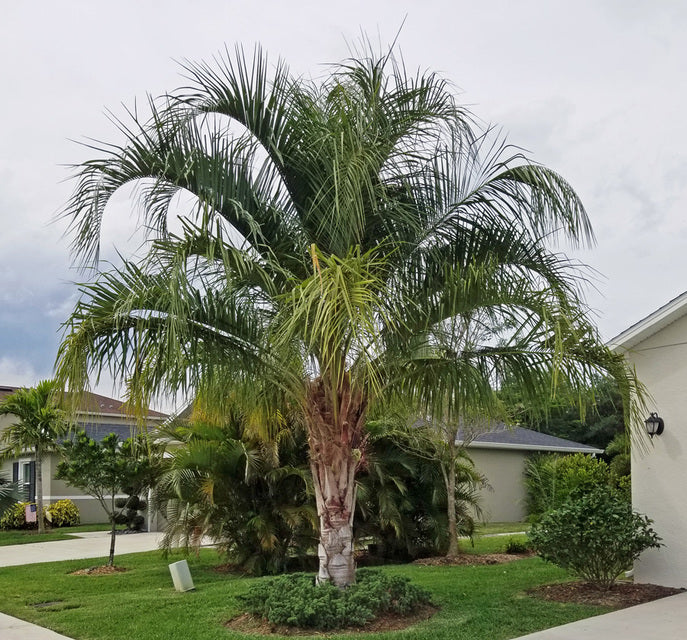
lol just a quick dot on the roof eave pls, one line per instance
(529, 447)
(650, 325)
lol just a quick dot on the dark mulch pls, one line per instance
(472, 559)
(247, 623)
(621, 595)
(98, 571)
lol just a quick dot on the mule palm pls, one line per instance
(37, 426)
(338, 229)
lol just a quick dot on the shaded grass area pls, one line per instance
(476, 602)
(491, 528)
(29, 536)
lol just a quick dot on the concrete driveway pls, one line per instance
(92, 544)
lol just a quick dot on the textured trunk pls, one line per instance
(113, 528)
(335, 426)
(39, 490)
(450, 478)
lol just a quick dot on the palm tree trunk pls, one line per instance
(450, 480)
(39, 489)
(336, 443)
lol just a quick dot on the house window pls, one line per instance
(24, 473)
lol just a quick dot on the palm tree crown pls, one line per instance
(38, 425)
(345, 235)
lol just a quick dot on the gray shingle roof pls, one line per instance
(503, 437)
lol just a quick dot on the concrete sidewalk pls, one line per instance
(665, 619)
(92, 544)
(15, 629)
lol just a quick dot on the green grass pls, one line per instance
(476, 602)
(30, 536)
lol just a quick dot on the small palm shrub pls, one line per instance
(295, 600)
(596, 536)
(63, 513)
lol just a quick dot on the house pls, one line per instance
(500, 455)
(98, 415)
(657, 348)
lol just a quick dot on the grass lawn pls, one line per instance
(29, 536)
(476, 602)
(491, 528)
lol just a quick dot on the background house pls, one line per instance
(97, 415)
(500, 455)
(657, 347)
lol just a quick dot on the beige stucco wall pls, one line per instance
(504, 501)
(659, 476)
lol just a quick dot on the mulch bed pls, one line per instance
(98, 571)
(619, 596)
(247, 623)
(472, 559)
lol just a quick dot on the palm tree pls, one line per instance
(338, 228)
(38, 426)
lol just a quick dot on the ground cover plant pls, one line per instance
(595, 535)
(475, 602)
(296, 600)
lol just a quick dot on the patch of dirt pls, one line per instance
(247, 623)
(472, 559)
(98, 571)
(621, 595)
(229, 568)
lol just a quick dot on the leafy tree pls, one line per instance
(104, 469)
(338, 230)
(38, 425)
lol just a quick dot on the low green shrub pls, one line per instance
(295, 600)
(516, 546)
(551, 479)
(63, 513)
(15, 518)
(596, 536)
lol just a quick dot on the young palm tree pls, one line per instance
(338, 229)
(38, 425)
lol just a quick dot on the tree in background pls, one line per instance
(338, 229)
(105, 469)
(38, 425)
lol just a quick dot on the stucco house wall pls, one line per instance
(500, 455)
(504, 499)
(103, 415)
(657, 348)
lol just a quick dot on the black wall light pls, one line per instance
(654, 425)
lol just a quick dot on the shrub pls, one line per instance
(595, 536)
(515, 546)
(551, 479)
(295, 600)
(63, 513)
(15, 518)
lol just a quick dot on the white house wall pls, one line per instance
(659, 476)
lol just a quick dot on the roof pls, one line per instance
(519, 438)
(94, 403)
(653, 323)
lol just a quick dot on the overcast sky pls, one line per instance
(593, 89)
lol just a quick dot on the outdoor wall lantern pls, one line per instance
(654, 425)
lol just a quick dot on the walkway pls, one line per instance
(665, 619)
(91, 544)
